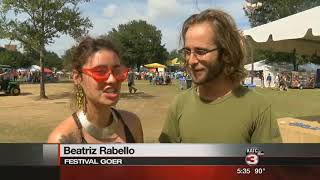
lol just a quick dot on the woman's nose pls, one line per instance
(111, 79)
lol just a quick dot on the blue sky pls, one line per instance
(166, 15)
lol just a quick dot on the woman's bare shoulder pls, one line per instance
(66, 132)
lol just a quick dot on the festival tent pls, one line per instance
(174, 62)
(299, 33)
(155, 65)
(21, 70)
(37, 68)
(47, 70)
(34, 68)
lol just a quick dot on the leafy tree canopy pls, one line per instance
(139, 43)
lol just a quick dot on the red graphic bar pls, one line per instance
(189, 172)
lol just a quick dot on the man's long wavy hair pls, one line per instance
(228, 39)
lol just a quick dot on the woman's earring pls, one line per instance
(80, 97)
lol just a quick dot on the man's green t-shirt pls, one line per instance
(243, 116)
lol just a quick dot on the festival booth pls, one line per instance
(156, 67)
(306, 78)
(34, 68)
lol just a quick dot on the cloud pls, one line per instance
(160, 9)
(110, 10)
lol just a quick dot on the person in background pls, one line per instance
(217, 109)
(269, 79)
(4, 78)
(131, 78)
(261, 76)
(150, 76)
(97, 76)
(276, 81)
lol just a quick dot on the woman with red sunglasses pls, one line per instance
(97, 75)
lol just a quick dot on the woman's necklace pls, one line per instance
(99, 133)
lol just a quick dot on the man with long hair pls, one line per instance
(217, 109)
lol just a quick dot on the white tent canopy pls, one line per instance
(299, 32)
(34, 68)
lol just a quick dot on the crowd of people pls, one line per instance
(281, 81)
(155, 78)
(29, 76)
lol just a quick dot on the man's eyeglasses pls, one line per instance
(186, 52)
(102, 73)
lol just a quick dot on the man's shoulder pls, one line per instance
(252, 97)
(182, 98)
(186, 94)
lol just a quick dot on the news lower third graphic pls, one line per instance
(187, 154)
(160, 154)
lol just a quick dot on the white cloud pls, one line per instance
(160, 9)
(110, 10)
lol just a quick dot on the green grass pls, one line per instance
(303, 104)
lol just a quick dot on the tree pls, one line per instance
(36, 23)
(139, 43)
(52, 60)
(271, 10)
(67, 59)
(175, 54)
(14, 59)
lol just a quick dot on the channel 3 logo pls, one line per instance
(252, 156)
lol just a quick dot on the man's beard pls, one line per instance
(212, 71)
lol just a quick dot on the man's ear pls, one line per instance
(76, 76)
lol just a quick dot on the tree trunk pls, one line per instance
(42, 88)
(295, 67)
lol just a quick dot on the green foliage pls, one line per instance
(67, 59)
(139, 43)
(175, 54)
(18, 60)
(14, 59)
(272, 10)
(52, 60)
